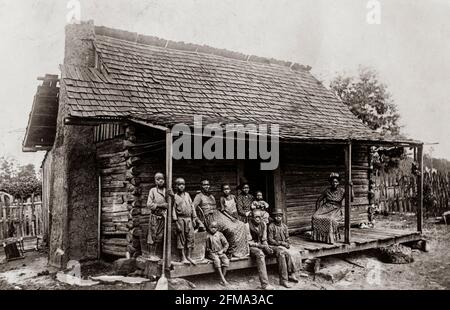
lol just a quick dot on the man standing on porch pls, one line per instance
(157, 202)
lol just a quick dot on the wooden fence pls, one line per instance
(396, 192)
(21, 219)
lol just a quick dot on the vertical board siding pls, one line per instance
(26, 219)
(107, 131)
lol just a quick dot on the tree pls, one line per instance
(7, 168)
(440, 164)
(19, 181)
(368, 99)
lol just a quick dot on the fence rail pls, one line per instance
(21, 219)
(397, 192)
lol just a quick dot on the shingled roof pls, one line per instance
(165, 82)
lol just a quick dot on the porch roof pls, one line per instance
(41, 128)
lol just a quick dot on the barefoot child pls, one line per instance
(185, 218)
(216, 247)
(158, 205)
(228, 202)
(261, 205)
(278, 239)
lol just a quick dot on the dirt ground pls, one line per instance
(357, 271)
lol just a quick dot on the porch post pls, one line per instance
(169, 153)
(99, 220)
(420, 189)
(279, 192)
(348, 190)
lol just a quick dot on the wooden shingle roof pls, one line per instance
(165, 83)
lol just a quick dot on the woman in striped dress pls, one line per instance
(328, 215)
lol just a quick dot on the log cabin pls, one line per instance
(105, 123)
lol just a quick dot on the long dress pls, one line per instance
(325, 221)
(156, 201)
(244, 205)
(234, 230)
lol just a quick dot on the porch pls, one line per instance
(362, 239)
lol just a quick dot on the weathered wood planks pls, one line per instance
(362, 239)
(306, 169)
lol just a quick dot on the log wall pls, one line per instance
(149, 146)
(128, 163)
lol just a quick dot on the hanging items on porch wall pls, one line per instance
(107, 131)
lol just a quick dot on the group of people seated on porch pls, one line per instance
(240, 226)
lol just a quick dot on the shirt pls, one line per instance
(182, 206)
(228, 205)
(257, 233)
(206, 202)
(216, 243)
(243, 205)
(277, 233)
(156, 200)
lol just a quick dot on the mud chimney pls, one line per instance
(79, 45)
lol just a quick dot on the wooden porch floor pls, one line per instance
(361, 239)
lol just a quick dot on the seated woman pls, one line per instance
(234, 230)
(325, 220)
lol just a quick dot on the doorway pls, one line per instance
(259, 180)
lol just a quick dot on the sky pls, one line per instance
(409, 48)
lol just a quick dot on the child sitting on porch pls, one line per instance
(278, 239)
(185, 219)
(216, 247)
(261, 205)
(228, 202)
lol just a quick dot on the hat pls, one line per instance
(277, 211)
(334, 175)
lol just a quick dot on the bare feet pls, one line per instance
(267, 287)
(154, 258)
(191, 261)
(185, 261)
(285, 284)
(293, 278)
(224, 283)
